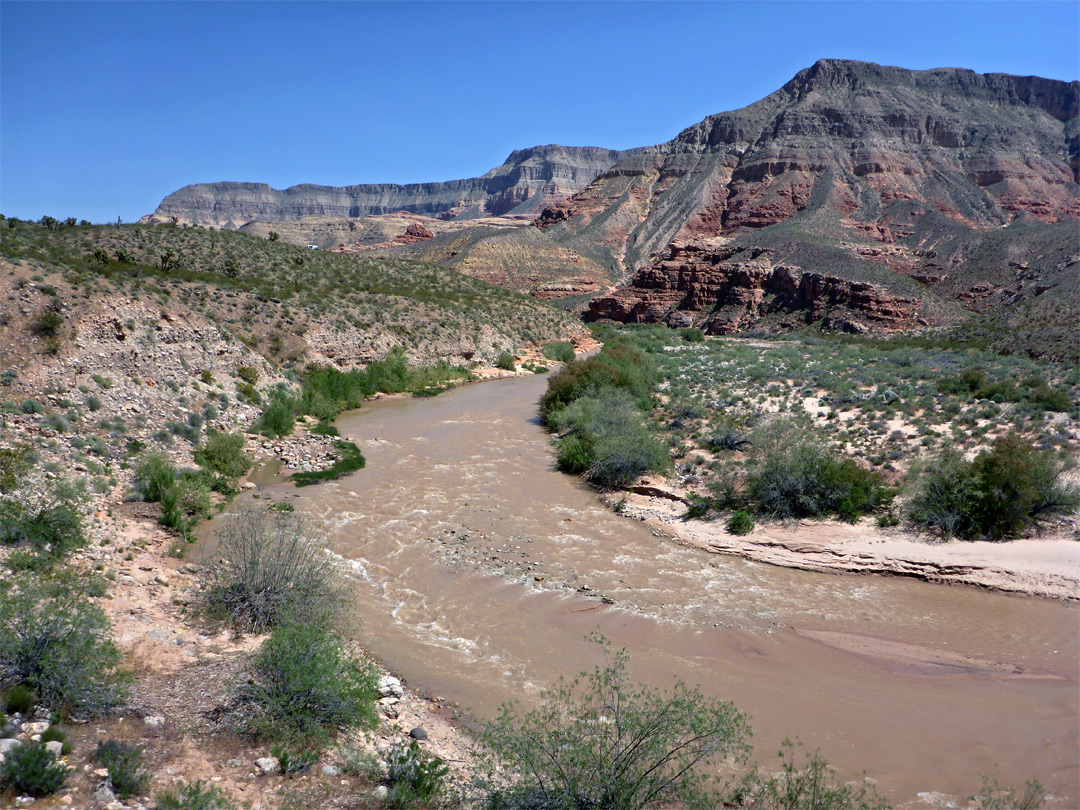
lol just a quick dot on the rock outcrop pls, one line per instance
(723, 288)
(529, 180)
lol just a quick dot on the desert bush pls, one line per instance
(305, 687)
(742, 522)
(124, 762)
(692, 335)
(224, 453)
(599, 741)
(505, 361)
(195, 796)
(620, 458)
(999, 494)
(275, 570)
(279, 415)
(796, 478)
(810, 785)
(15, 463)
(50, 526)
(154, 476)
(561, 351)
(55, 643)
(48, 322)
(19, 700)
(994, 797)
(248, 374)
(413, 777)
(33, 770)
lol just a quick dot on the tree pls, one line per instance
(274, 236)
(597, 742)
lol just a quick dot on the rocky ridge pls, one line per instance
(527, 181)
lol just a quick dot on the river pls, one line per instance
(481, 571)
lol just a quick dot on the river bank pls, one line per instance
(1046, 566)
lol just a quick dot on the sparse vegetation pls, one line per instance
(33, 770)
(195, 796)
(124, 762)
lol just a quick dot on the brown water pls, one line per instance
(469, 550)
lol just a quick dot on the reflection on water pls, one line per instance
(480, 571)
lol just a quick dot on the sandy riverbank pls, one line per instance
(1046, 566)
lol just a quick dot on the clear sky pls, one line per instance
(107, 107)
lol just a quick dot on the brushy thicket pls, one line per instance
(54, 642)
(1000, 493)
(48, 528)
(274, 570)
(561, 351)
(124, 762)
(600, 406)
(195, 796)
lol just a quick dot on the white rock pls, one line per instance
(381, 792)
(35, 728)
(154, 721)
(9, 744)
(267, 765)
(55, 746)
(330, 770)
(390, 686)
(24, 801)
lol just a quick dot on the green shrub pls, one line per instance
(15, 463)
(279, 415)
(797, 478)
(224, 453)
(573, 456)
(505, 361)
(55, 642)
(184, 504)
(33, 770)
(692, 335)
(620, 365)
(48, 323)
(810, 785)
(412, 777)
(621, 457)
(994, 797)
(305, 687)
(124, 763)
(19, 700)
(559, 350)
(248, 374)
(195, 796)
(598, 741)
(52, 527)
(999, 494)
(55, 734)
(742, 522)
(275, 570)
(154, 476)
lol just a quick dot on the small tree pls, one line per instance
(274, 236)
(598, 741)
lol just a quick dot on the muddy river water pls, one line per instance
(481, 571)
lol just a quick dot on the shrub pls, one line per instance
(573, 456)
(597, 741)
(275, 570)
(33, 770)
(999, 494)
(620, 365)
(19, 700)
(505, 361)
(154, 476)
(559, 350)
(184, 504)
(810, 785)
(55, 643)
(622, 457)
(52, 527)
(305, 687)
(248, 374)
(412, 777)
(195, 796)
(55, 734)
(15, 463)
(994, 797)
(796, 478)
(279, 416)
(48, 323)
(692, 335)
(224, 453)
(125, 766)
(742, 522)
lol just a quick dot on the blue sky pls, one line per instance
(107, 107)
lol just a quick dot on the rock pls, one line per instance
(331, 770)
(418, 733)
(381, 792)
(37, 727)
(8, 744)
(55, 747)
(161, 579)
(153, 721)
(267, 765)
(390, 686)
(24, 801)
(103, 793)
(235, 763)
(115, 805)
